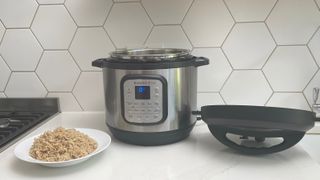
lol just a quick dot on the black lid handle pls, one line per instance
(290, 138)
(201, 61)
(98, 63)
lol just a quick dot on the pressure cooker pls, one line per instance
(151, 99)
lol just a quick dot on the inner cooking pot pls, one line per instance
(150, 98)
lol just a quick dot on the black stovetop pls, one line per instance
(19, 115)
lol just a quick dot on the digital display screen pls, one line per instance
(142, 92)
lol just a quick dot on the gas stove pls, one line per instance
(18, 116)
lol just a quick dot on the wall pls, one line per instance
(263, 52)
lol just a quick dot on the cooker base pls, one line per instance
(151, 138)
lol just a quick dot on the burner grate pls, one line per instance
(19, 123)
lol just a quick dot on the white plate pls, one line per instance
(103, 140)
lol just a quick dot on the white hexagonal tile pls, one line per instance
(2, 30)
(318, 3)
(2, 95)
(204, 99)
(290, 68)
(16, 13)
(166, 11)
(207, 23)
(89, 91)
(212, 76)
(58, 71)
(67, 101)
(168, 37)
(250, 10)
(54, 27)
(314, 46)
(25, 84)
(50, 1)
(126, 0)
(89, 12)
(294, 21)
(288, 100)
(134, 23)
(246, 88)
(4, 74)
(20, 49)
(248, 45)
(308, 91)
(90, 44)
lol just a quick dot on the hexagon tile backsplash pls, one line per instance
(262, 52)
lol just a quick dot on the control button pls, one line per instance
(143, 103)
(156, 89)
(149, 103)
(129, 103)
(155, 116)
(157, 110)
(156, 95)
(156, 103)
(136, 103)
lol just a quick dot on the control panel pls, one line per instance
(144, 99)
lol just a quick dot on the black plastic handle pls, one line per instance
(290, 138)
(98, 63)
(201, 61)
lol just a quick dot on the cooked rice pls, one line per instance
(61, 145)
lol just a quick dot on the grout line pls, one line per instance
(184, 32)
(105, 28)
(271, 10)
(75, 97)
(225, 4)
(6, 63)
(74, 60)
(309, 82)
(108, 14)
(269, 57)
(225, 55)
(147, 13)
(148, 35)
(224, 101)
(269, 98)
(314, 59)
(41, 81)
(5, 87)
(74, 21)
(269, 30)
(310, 106)
(225, 82)
(34, 16)
(82, 109)
(73, 37)
(265, 76)
(40, 58)
(317, 30)
(187, 12)
(225, 39)
(318, 5)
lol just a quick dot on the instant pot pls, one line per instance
(150, 94)
(151, 99)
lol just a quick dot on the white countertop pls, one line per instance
(200, 156)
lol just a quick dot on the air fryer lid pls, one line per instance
(259, 123)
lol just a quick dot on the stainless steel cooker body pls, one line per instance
(150, 94)
(181, 87)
